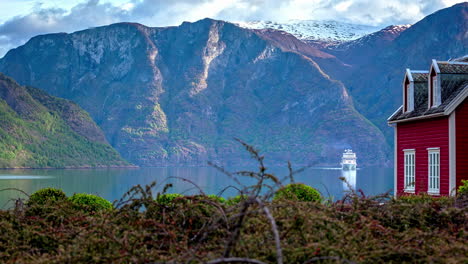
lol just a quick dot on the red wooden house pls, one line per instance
(431, 129)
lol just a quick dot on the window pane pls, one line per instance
(409, 170)
(434, 171)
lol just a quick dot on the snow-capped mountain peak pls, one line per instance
(316, 30)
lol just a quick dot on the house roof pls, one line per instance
(460, 92)
(449, 67)
(419, 76)
(453, 77)
(461, 59)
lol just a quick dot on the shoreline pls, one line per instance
(322, 167)
(73, 168)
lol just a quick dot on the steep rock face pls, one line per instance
(365, 48)
(181, 94)
(38, 130)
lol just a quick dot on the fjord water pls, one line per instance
(113, 183)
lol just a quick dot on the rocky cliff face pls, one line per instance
(181, 94)
(38, 130)
(364, 49)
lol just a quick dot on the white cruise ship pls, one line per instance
(348, 162)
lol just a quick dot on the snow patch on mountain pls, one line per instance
(316, 30)
(387, 34)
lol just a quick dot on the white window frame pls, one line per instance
(433, 171)
(410, 97)
(436, 101)
(409, 172)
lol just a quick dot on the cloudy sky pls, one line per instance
(23, 19)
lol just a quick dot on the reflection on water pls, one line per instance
(349, 182)
(113, 183)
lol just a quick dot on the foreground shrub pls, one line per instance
(298, 192)
(463, 189)
(236, 200)
(167, 198)
(361, 230)
(196, 229)
(216, 198)
(424, 198)
(46, 195)
(90, 202)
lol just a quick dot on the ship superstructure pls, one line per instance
(348, 161)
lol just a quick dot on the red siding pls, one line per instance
(420, 135)
(461, 123)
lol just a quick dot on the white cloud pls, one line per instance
(27, 18)
(343, 6)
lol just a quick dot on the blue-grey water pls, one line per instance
(113, 183)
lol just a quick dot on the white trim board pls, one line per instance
(456, 62)
(435, 65)
(408, 74)
(395, 162)
(394, 113)
(417, 118)
(452, 154)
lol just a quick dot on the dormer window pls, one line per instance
(436, 90)
(408, 92)
(434, 86)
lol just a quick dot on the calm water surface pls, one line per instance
(113, 183)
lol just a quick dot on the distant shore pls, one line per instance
(74, 167)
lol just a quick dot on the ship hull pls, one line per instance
(348, 166)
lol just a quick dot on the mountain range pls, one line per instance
(179, 95)
(316, 30)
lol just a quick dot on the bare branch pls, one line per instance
(15, 189)
(291, 172)
(221, 169)
(235, 236)
(229, 187)
(189, 181)
(167, 187)
(274, 228)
